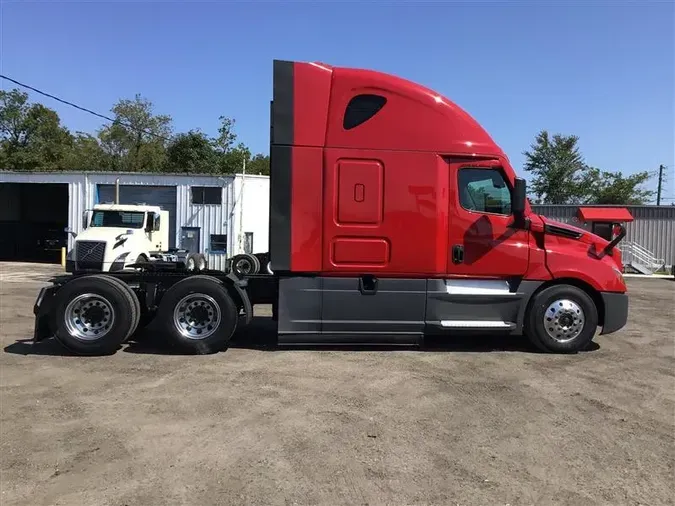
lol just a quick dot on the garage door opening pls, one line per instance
(33, 217)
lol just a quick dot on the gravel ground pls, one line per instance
(480, 421)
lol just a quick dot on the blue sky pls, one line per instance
(604, 71)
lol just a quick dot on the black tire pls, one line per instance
(205, 294)
(136, 315)
(244, 264)
(575, 312)
(105, 300)
(256, 263)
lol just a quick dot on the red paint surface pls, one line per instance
(360, 197)
(311, 96)
(537, 268)
(410, 212)
(307, 209)
(573, 259)
(360, 251)
(608, 214)
(312, 85)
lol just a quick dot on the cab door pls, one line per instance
(482, 242)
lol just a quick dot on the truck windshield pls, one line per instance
(121, 219)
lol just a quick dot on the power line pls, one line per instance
(84, 109)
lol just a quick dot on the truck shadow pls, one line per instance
(260, 335)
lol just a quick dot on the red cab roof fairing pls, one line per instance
(414, 117)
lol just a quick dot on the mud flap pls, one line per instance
(238, 283)
(42, 311)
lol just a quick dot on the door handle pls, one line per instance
(457, 254)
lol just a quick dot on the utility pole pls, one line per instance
(658, 191)
(241, 209)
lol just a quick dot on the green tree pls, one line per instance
(32, 138)
(558, 169)
(259, 164)
(31, 135)
(226, 137)
(86, 153)
(614, 188)
(136, 140)
(232, 161)
(191, 152)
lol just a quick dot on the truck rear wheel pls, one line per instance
(198, 315)
(136, 315)
(562, 319)
(245, 264)
(94, 315)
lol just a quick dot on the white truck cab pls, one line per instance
(117, 235)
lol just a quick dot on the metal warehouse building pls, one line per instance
(651, 233)
(207, 212)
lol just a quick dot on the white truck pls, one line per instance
(118, 236)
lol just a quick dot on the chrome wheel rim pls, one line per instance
(196, 316)
(89, 317)
(191, 264)
(244, 266)
(202, 264)
(564, 320)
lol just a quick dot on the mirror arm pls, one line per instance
(520, 222)
(519, 205)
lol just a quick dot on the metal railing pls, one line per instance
(633, 253)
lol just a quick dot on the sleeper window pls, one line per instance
(361, 108)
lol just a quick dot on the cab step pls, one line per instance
(477, 324)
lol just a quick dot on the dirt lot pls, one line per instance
(480, 421)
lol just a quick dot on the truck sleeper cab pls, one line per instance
(393, 215)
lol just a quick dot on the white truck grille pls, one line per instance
(89, 255)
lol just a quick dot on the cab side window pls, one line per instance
(484, 190)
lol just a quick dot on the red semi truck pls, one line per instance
(393, 215)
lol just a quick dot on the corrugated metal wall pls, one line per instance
(653, 228)
(211, 219)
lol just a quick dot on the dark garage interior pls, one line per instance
(33, 217)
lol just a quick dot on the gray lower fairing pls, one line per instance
(386, 310)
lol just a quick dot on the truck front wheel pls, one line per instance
(94, 315)
(198, 315)
(561, 319)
